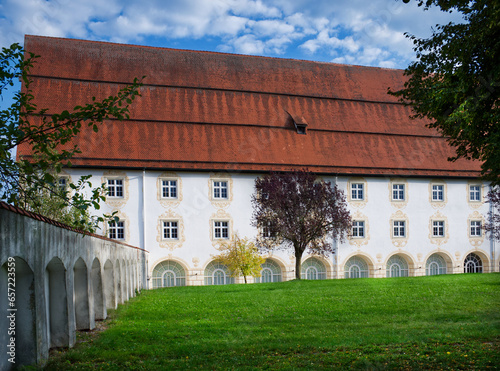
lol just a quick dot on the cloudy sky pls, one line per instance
(362, 32)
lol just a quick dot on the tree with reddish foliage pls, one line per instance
(492, 227)
(299, 210)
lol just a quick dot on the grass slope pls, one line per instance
(439, 322)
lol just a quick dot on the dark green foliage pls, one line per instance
(455, 81)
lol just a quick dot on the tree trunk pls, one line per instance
(298, 264)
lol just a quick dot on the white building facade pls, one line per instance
(181, 171)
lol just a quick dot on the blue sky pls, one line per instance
(361, 32)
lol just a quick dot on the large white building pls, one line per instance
(181, 172)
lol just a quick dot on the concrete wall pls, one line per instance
(54, 281)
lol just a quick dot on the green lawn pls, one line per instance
(439, 322)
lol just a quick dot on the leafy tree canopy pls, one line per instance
(492, 227)
(32, 182)
(455, 81)
(241, 256)
(300, 211)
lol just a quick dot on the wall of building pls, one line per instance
(195, 210)
(54, 281)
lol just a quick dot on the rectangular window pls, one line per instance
(169, 188)
(170, 230)
(115, 188)
(63, 183)
(221, 230)
(475, 228)
(117, 230)
(438, 228)
(358, 229)
(437, 192)
(399, 228)
(220, 190)
(357, 191)
(475, 193)
(267, 231)
(398, 192)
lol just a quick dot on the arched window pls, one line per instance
(435, 265)
(473, 264)
(397, 267)
(356, 267)
(313, 269)
(217, 273)
(271, 272)
(168, 274)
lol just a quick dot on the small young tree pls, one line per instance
(241, 257)
(298, 210)
(492, 227)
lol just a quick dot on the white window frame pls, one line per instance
(115, 190)
(266, 231)
(116, 230)
(399, 228)
(220, 186)
(169, 228)
(62, 183)
(438, 228)
(357, 191)
(358, 229)
(476, 228)
(437, 193)
(397, 190)
(476, 192)
(168, 189)
(219, 227)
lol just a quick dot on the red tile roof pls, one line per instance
(214, 111)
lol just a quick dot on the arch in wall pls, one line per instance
(17, 282)
(446, 256)
(97, 291)
(436, 264)
(168, 273)
(399, 265)
(124, 280)
(56, 296)
(475, 262)
(81, 295)
(130, 279)
(118, 279)
(217, 273)
(270, 272)
(313, 269)
(109, 285)
(357, 267)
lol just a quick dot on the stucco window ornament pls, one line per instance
(438, 229)
(168, 273)
(170, 231)
(475, 233)
(357, 195)
(360, 233)
(475, 195)
(169, 189)
(220, 187)
(398, 193)
(221, 228)
(400, 232)
(117, 184)
(438, 194)
(356, 267)
(118, 230)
